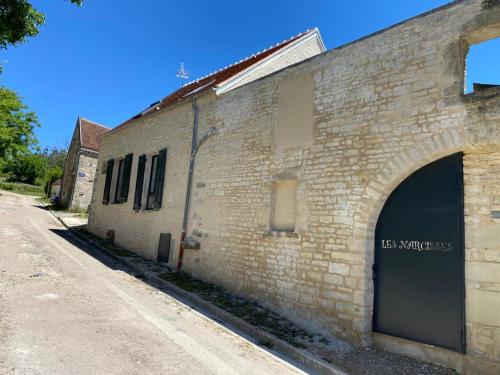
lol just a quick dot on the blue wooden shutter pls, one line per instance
(107, 184)
(139, 183)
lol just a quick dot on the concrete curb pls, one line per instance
(61, 221)
(299, 355)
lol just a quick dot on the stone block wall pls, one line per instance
(383, 107)
(140, 230)
(84, 180)
(482, 218)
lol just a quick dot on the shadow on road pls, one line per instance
(41, 207)
(115, 264)
(98, 254)
(118, 265)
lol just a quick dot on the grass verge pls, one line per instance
(24, 189)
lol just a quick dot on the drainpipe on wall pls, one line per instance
(194, 149)
(190, 181)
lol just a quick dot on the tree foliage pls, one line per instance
(36, 168)
(17, 125)
(56, 157)
(26, 168)
(20, 20)
(55, 161)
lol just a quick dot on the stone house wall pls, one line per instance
(382, 107)
(482, 189)
(79, 173)
(70, 168)
(84, 180)
(140, 230)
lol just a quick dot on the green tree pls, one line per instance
(17, 125)
(19, 20)
(26, 168)
(56, 157)
(55, 165)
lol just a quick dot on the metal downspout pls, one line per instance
(190, 181)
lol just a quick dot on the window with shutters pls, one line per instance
(123, 179)
(156, 180)
(284, 212)
(152, 182)
(139, 183)
(107, 184)
(119, 180)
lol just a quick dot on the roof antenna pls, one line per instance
(183, 74)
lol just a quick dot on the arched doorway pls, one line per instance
(419, 258)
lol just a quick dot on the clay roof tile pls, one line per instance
(90, 132)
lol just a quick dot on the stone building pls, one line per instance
(81, 163)
(357, 192)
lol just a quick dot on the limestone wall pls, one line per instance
(84, 179)
(140, 231)
(382, 107)
(482, 217)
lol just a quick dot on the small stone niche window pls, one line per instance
(284, 205)
(481, 71)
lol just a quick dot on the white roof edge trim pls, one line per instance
(228, 84)
(88, 149)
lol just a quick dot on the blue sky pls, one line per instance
(110, 59)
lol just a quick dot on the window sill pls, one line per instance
(146, 210)
(280, 234)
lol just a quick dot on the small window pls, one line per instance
(284, 210)
(152, 182)
(141, 167)
(123, 179)
(482, 66)
(119, 181)
(156, 180)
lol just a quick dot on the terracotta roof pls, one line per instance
(90, 132)
(212, 80)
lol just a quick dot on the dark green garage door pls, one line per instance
(419, 258)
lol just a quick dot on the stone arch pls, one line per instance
(375, 194)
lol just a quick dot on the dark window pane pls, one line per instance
(152, 182)
(119, 181)
(139, 182)
(124, 187)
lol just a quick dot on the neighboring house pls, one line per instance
(332, 190)
(81, 163)
(55, 189)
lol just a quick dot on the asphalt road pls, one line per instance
(67, 309)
